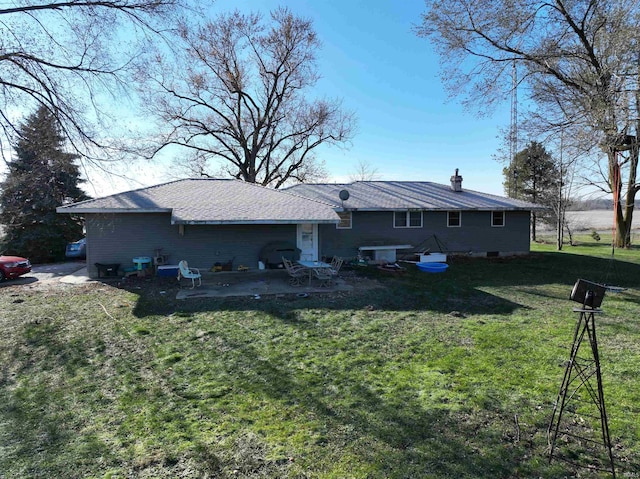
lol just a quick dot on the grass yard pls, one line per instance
(431, 376)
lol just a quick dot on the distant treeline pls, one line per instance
(591, 204)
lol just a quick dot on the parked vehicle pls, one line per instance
(13, 266)
(77, 249)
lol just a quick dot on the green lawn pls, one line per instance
(431, 376)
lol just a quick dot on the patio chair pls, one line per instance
(336, 264)
(324, 275)
(296, 272)
(189, 273)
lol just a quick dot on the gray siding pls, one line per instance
(118, 238)
(475, 235)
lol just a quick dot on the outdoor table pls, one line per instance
(142, 262)
(311, 265)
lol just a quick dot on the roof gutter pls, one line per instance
(70, 209)
(451, 208)
(253, 222)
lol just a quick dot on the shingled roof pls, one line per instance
(402, 195)
(213, 201)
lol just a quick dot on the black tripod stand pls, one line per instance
(579, 377)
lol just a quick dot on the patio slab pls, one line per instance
(224, 285)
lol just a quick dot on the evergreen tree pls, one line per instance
(533, 176)
(41, 177)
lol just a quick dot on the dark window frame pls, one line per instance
(502, 216)
(451, 215)
(407, 218)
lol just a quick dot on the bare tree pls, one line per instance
(578, 65)
(364, 172)
(238, 94)
(72, 57)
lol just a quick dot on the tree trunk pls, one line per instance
(619, 241)
(632, 189)
(533, 226)
(561, 208)
(570, 233)
(624, 215)
(623, 230)
(560, 225)
(616, 187)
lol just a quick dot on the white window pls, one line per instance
(454, 219)
(345, 220)
(407, 219)
(497, 218)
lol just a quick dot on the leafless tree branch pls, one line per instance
(239, 92)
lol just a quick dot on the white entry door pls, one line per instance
(308, 241)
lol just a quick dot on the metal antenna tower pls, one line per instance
(513, 128)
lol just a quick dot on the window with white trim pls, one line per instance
(345, 220)
(407, 219)
(454, 219)
(497, 218)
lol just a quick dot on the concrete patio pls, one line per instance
(253, 283)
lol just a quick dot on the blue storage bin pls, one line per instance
(168, 270)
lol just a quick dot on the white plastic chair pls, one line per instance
(189, 273)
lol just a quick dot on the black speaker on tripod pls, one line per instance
(588, 294)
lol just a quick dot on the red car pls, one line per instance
(13, 266)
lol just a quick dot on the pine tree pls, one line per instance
(42, 177)
(533, 176)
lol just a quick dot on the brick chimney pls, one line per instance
(456, 182)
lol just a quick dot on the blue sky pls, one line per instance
(407, 127)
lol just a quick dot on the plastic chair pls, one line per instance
(189, 273)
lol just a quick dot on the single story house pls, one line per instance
(212, 221)
(423, 215)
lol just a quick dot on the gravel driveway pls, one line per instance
(46, 273)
